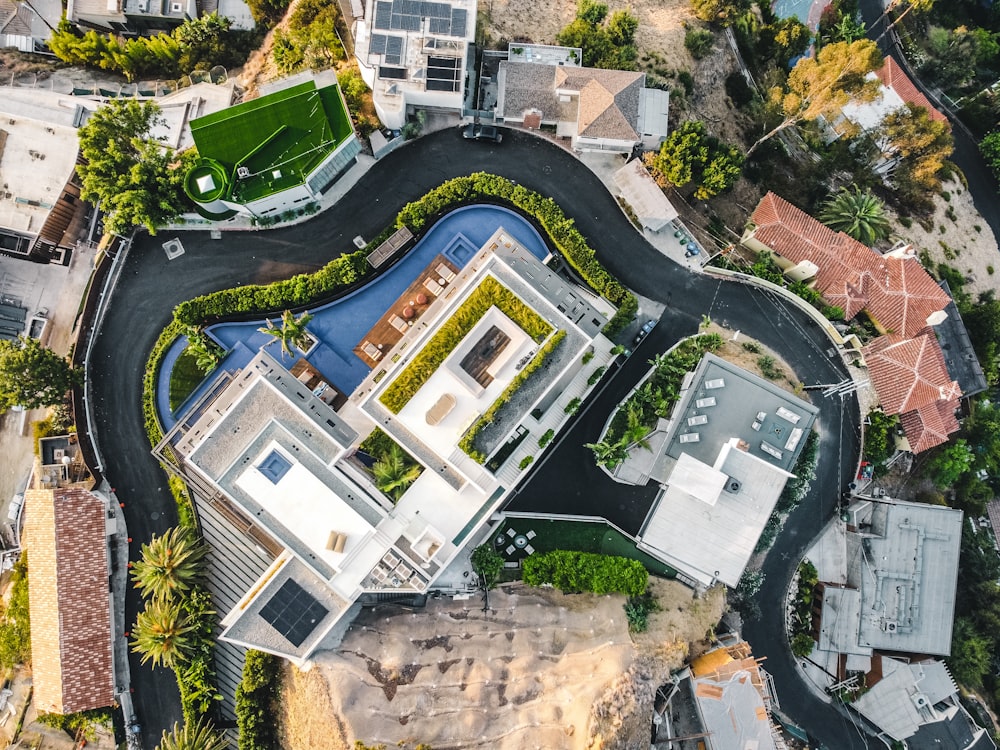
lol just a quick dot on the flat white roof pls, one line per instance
(699, 480)
(306, 507)
(715, 542)
(642, 193)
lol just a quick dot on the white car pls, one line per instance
(15, 507)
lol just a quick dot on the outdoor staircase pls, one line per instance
(553, 418)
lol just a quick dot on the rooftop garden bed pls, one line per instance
(489, 293)
(468, 441)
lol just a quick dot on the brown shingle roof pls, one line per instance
(64, 533)
(896, 292)
(893, 77)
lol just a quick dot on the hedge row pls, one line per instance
(255, 697)
(297, 291)
(489, 293)
(561, 230)
(575, 572)
(468, 441)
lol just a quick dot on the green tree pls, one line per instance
(170, 564)
(162, 634)
(857, 213)
(823, 84)
(135, 180)
(604, 45)
(990, 148)
(690, 155)
(33, 376)
(200, 735)
(609, 454)
(971, 654)
(292, 333)
(575, 572)
(15, 620)
(487, 564)
(394, 473)
(723, 12)
(267, 12)
(950, 463)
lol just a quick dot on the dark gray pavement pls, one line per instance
(151, 286)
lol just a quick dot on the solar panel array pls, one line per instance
(391, 47)
(406, 15)
(442, 73)
(293, 612)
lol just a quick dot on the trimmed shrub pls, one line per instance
(546, 438)
(255, 696)
(526, 462)
(489, 293)
(576, 572)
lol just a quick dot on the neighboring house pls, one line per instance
(415, 54)
(912, 380)
(27, 24)
(895, 92)
(597, 109)
(917, 702)
(722, 461)
(895, 589)
(65, 534)
(265, 448)
(275, 153)
(892, 290)
(131, 16)
(722, 701)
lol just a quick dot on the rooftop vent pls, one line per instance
(733, 485)
(242, 172)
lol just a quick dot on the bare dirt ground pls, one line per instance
(540, 669)
(736, 352)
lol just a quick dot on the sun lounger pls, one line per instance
(398, 323)
(371, 350)
(432, 286)
(444, 272)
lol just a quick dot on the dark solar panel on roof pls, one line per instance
(394, 50)
(383, 15)
(458, 20)
(377, 46)
(293, 612)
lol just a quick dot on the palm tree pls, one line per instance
(858, 214)
(170, 564)
(161, 634)
(198, 736)
(292, 331)
(609, 454)
(394, 473)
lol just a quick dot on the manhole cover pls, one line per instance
(173, 248)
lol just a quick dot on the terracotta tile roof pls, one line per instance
(64, 534)
(896, 292)
(909, 374)
(893, 77)
(931, 425)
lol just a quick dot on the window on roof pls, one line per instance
(274, 467)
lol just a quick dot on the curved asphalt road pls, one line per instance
(150, 287)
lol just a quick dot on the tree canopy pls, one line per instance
(823, 84)
(990, 148)
(858, 214)
(723, 12)
(136, 181)
(691, 155)
(33, 376)
(606, 42)
(922, 144)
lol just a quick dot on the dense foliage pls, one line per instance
(690, 155)
(33, 376)
(490, 293)
(858, 214)
(311, 38)
(990, 148)
(638, 609)
(255, 698)
(487, 564)
(194, 735)
(801, 627)
(468, 441)
(136, 181)
(15, 624)
(606, 42)
(197, 44)
(576, 572)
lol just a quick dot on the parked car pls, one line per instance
(644, 331)
(476, 132)
(15, 507)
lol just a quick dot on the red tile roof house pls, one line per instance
(894, 291)
(896, 91)
(65, 534)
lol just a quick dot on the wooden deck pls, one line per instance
(312, 379)
(389, 329)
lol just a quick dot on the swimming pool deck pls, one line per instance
(340, 326)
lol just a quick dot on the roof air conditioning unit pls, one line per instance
(242, 172)
(891, 626)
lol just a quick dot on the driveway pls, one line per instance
(151, 286)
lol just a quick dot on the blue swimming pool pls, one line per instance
(339, 325)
